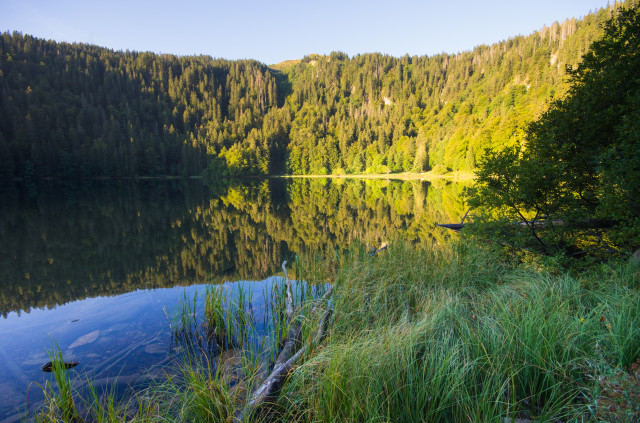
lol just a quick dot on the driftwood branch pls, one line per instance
(292, 339)
(268, 390)
(324, 324)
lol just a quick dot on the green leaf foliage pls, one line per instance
(78, 110)
(580, 163)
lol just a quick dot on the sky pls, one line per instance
(274, 31)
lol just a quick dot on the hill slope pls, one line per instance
(76, 110)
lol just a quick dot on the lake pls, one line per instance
(95, 267)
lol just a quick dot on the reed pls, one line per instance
(463, 334)
(458, 333)
(74, 400)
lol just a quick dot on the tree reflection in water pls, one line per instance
(60, 242)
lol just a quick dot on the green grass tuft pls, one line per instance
(457, 333)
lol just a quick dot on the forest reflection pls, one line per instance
(61, 242)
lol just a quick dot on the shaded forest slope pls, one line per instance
(77, 110)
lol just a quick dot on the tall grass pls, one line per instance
(72, 400)
(225, 350)
(221, 351)
(440, 335)
(461, 335)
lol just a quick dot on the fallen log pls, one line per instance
(269, 389)
(292, 338)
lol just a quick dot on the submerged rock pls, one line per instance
(48, 366)
(157, 348)
(85, 339)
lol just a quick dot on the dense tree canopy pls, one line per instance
(76, 110)
(82, 111)
(580, 164)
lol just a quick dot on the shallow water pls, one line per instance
(122, 336)
(90, 267)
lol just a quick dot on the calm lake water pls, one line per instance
(91, 266)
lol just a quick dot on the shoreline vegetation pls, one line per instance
(424, 176)
(79, 110)
(462, 332)
(469, 330)
(405, 176)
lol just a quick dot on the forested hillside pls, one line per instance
(79, 110)
(76, 110)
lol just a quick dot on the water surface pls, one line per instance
(89, 266)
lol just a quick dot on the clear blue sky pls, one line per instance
(273, 31)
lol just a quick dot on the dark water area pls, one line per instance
(90, 266)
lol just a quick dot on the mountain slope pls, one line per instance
(76, 110)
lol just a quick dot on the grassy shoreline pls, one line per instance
(456, 333)
(462, 335)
